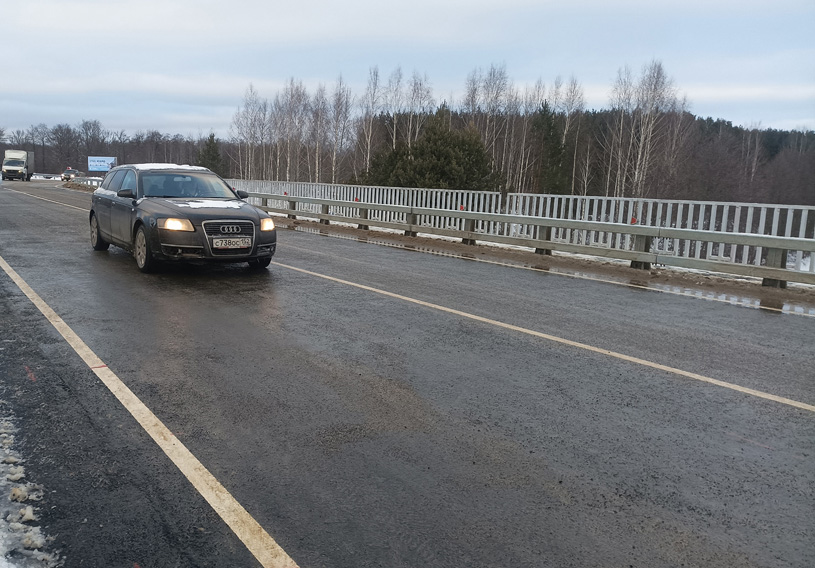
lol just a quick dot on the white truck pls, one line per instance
(18, 164)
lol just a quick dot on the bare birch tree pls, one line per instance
(655, 96)
(495, 88)
(471, 105)
(319, 125)
(420, 105)
(294, 106)
(394, 102)
(371, 104)
(617, 140)
(246, 131)
(340, 118)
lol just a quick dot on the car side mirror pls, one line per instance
(126, 193)
(241, 193)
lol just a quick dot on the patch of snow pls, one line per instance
(158, 166)
(210, 203)
(21, 540)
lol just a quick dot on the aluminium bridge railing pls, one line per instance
(774, 242)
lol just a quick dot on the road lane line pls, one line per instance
(554, 338)
(516, 266)
(556, 272)
(255, 538)
(48, 200)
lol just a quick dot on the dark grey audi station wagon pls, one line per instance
(168, 212)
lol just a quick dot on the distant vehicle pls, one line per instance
(18, 164)
(167, 212)
(71, 173)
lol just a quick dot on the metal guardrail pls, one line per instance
(773, 242)
(89, 181)
(643, 245)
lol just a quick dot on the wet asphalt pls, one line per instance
(362, 429)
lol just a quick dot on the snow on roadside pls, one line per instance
(21, 540)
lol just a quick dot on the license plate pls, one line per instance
(232, 243)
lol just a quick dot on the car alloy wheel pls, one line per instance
(141, 250)
(97, 242)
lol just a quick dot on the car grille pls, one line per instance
(214, 228)
(229, 228)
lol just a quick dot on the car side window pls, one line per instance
(106, 181)
(116, 182)
(129, 181)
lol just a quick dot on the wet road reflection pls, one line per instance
(756, 300)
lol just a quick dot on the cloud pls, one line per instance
(751, 93)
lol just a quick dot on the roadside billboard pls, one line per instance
(100, 163)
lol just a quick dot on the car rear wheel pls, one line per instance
(260, 262)
(142, 252)
(97, 242)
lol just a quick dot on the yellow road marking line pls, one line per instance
(554, 338)
(257, 540)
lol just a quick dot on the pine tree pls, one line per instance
(209, 156)
(442, 158)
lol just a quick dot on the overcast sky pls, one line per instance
(183, 66)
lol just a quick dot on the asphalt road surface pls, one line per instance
(374, 407)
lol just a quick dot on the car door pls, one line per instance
(123, 209)
(102, 200)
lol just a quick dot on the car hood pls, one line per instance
(202, 208)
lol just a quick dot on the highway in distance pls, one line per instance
(358, 405)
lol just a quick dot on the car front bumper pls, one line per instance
(195, 245)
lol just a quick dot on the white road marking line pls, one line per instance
(44, 199)
(638, 361)
(689, 294)
(566, 274)
(584, 346)
(255, 538)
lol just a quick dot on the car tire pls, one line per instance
(97, 242)
(258, 263)
(142, 252)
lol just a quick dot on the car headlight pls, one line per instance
(267, 224)
(175, 224)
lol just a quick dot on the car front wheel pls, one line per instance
(142, 252)
(97, 242)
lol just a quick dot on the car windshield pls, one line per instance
(11, 162)
(184, 185)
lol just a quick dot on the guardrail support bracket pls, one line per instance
(642, 243)
(363, 214)
(776, 258)
(469, 227)
(411, 220)
(543, 234)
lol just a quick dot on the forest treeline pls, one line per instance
(499, 137)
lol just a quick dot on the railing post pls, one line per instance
(324, 211)
(410, 218)
(776, 258)
(469, 227)
(363, 214)
(547, 236)
(642, 243)
(292, 207)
